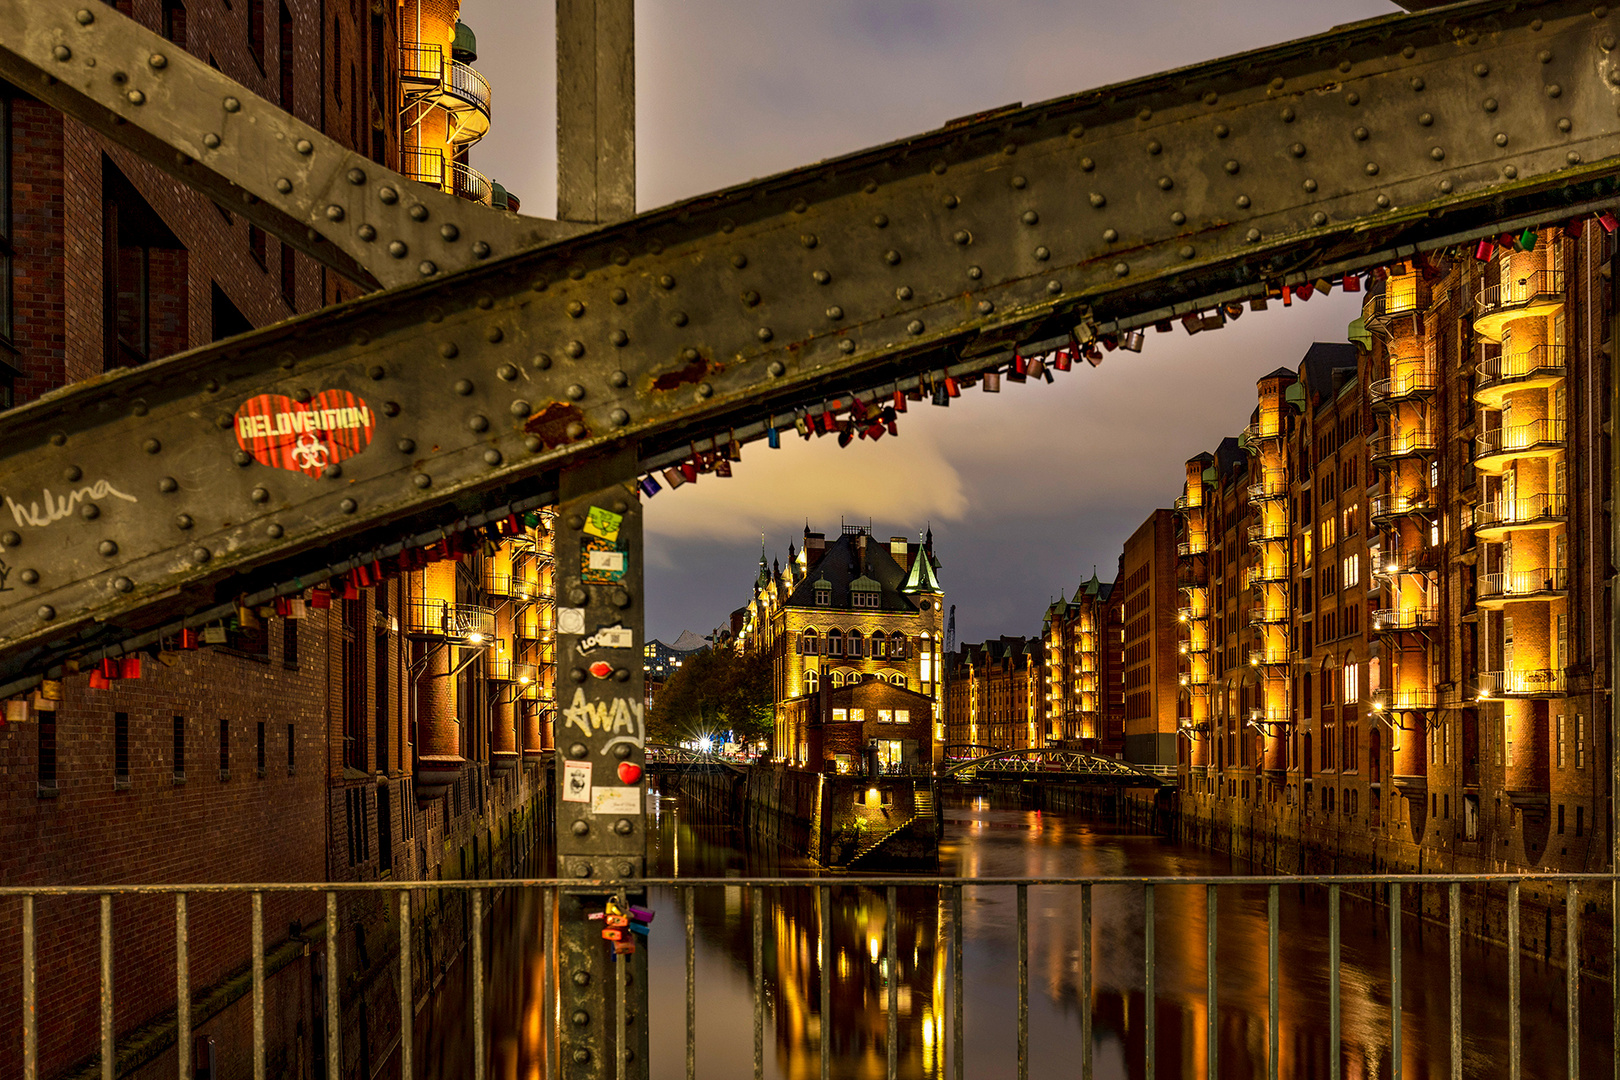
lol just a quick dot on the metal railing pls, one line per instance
(1188, 548)
(430, 617)
(1536, 434)
(1268, 531)
(1418, 560)
(466, 85)
(1260, 430)
(423, 166)
(1508, 512)
(1389, 302)
(1269, 575)
(1183, 502)
(421, 65)
(1075, 902)
(1268, 489)
(506, 669)
(1397, 700)
(1548, 579)
(1543, 285)
(1522, 682)
(1416, 383)
(1543, 360)
(1402, 444)
(503, 584)
(1262, 614)
(468, 183)
(1404, 618)
(1267, 657)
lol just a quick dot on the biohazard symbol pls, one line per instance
(310, 452)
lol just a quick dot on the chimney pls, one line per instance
(815, 546)
(860, 552)
(901, 551)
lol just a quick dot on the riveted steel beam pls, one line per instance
(155, 491)
(150, 95)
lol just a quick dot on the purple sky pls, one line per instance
(1027, 490)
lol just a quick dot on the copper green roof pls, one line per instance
(921, 577)
(865, 584)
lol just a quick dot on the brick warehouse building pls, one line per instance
(315, 741)
(1084, 670)
(995, 697)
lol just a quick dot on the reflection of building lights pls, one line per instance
(872, 945)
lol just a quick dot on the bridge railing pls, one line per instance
(411, 901)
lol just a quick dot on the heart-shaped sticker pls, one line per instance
(306, 438)
(601, 669)
(629, 772)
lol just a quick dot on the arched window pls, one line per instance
(857, 643)
(880, 646)
(837, 678)
(812, 680)
(898, 680)
(809, 643)
(835, 643)
(897, 646)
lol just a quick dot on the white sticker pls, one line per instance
(571, 620)
(609, 561)
(576, 781)
(608, 637)
(616, 800)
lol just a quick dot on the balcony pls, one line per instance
(1494, 449)
(1186, 549)
(427, 617)
(1399, 296)
(1268, 614)
(505, 669)
(1268, 532)
(1406, 700)
(1535, 295)
(1383, 508)
(1530, 369)
(1268, 657)
(1271, 717)
(1195, 689)
(497, 584)
(1191, 575)
(1411, 385)
(1414, 560)
(1185, 502)
(1392, 620)
(1494, 519)
(429, 76)
(1268, 489)
(1277, 573)
(1263, 429)
(428, 166)
(1402, 444)
(1495, 590)
(1522, 682)
(1190, 612)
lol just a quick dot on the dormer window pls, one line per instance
(823, 598)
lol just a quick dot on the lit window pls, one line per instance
(1352, 682)
(1351, 571)
(840, 715)
(885, 716)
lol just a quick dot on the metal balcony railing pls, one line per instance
(499, 584)
(1269, 575)
(428, 166)
(506, 669)
(1271, 717)
(1420, 560)
(1268, 489)
(1506, 513)
(1527, 583)
(1268, 531)
(429, 617)
(468, 183)
(1267, 657)
(1397, 297)
(1189, 548)
(1189, 613)
(832, 942)
(1542, 285)
(1522, 682)
(1190, 575)
(1264, 615)
(421, 66)
(1387, 506)
(1410, 384)
(1543, 361)
(1184, 502)
(1405, 618)
(1535, 435)
(1265, 428)
(1404, 443)
(1407, 700)
(467, 86)
(425, 166)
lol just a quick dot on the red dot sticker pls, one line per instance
(601, 669)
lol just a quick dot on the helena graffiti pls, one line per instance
(54, 508)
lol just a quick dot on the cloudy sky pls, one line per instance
(1027, 490)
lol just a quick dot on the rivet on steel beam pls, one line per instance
(1222, 131)
(168, 485)
(136, 97)
(764, 333)
(418, 212)
(62, 53)
(575, 392)
(1020, 182)
(283, 185)
(334, 213)
(72, 473)
(1438, 153)
(201, 554)
(151, 446)
(986, 307)
(85, 17)
(739, 260)
(870, 187)
(10, 538)
(1252, 235)
(880, 221)
(1545, 56)
(427, 268)
(1482, 70)
(619, 296)
(390, 408)
(211, 141)
(89, 511)
(1054, 286)
(260, 495)
(348, 506)
(46, 613)
(478, 423)
(1573, 158)
(1030, 217)
(1372, 168)
(575, 349)
(1409, 52)
(302, 395)
(1243, 202)
(1098, 200)
(1361, 134)
(835, 313)
(1445, 187)
(332, 471)
(962, 236)
(619, 338)
(1426, 119)
(1501, 138)
(576, 430)
(123, 584)
(1489, 104)
(1178, 218)
(304, 146)
(1076, 130)
(398, 249)
(1276, 82)
(1010, 149)
(1187, 251)
(1606, 42)
(1232, 167)
(406, 446)
(30, 576)
(891, 257)
(750, 298)
(1383, 202)
(1310, 185)
(1144, 113)
(464, 387)
(1564, 125)
(809, 239)
(1344, 67)
(949, 202)
(1155, 147)
(620, 257)
(1417, 84)
(1298, 150)
(243, 458)
(1554, 90)
(519, 408)
(820, 277)
(1319, 218)
(1042, 253)
(1121, 269)
(846, 346)
(1287, 115)
(387, 194)
(366, 233)
(422, 480)
(800, 206)
(904, 292)
(1086, 164)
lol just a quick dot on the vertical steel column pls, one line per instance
(1211, 1028)
(1513, 980)
(1614, 651)
(478, 982)
(30, 1060)
(621, 1018)
(1147, 949)
(407, 996)
(1272, 975)
(1572, 976)
(258, 986)
(1454, 933)
(596, 110)
(109, 1063)
(334, 1019)
(758, 895)
(957, 963)
(1395, 980)
(892, 947)
(1085, 982)
(600, 735)
(691, 984)
(1333, 982)
(182, 987)
(826, 973)
(1023, 982)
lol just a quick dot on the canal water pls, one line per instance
(984, 840)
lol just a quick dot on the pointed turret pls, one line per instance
(923, 576)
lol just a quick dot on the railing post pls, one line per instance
(258, 986)
(1454, 936)
(1085, 982)
(1148, 966)
(1333, 983)
(109, 1062)
(30, 1062)
(956, 982)
(1212, 1028)
(334, 1018)
(1395, 979)
(1513, 980)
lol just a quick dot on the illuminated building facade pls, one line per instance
(1146, 598)
(995, 696)
(1083, 680)
(850, 611)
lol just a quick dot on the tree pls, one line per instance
(714, 692)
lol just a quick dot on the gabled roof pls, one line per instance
(841, 567)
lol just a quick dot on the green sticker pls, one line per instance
(603, 523)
